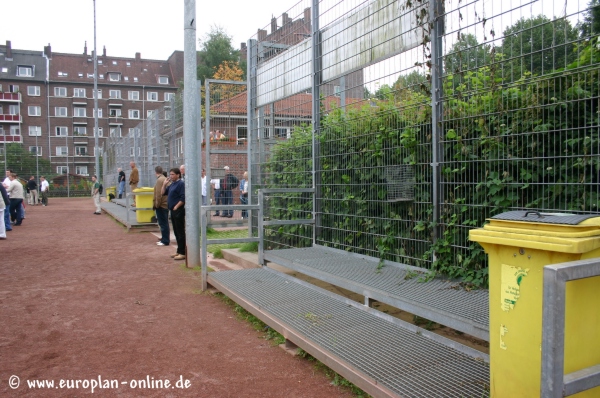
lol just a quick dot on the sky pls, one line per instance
(151, 27)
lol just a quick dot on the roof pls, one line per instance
(80, 67)
(22, 58)
(296, 105)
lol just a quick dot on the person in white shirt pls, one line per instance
(5, 184)
(44, 187)
(15, 192)
(203, 182)
(217, 185)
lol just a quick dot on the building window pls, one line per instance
(179, 146)
(131, 151)
(282, 132)
(126, 78)
(60, 111)
(35, 131)
(33, 91)
(99, 112)
(152, 96)
(99, 94)
(63, 74)
(34, 110)
(169, 96)
(132, 132)
(15, 130)
(242, 134)
(13, 88)
(35, 150)
(79, 130)
(81, 170)
(134, 95)
(114, 94)
(114, 112)
(163, 80)
(114, 62)
(62, 131)
(135, 79)
(80, 151)
(26, 71)
(115, 131)
(100, 132)
(100, 61)
(80, 74)
(60, 91)
(79, 112)
(167, 115)
(62, 151)
(13, 109)
(149, 114)
(62, 169)
(79, 92)
(134, 114)
(90, 75)
(114, 77)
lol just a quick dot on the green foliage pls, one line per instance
(251, 247)
(216, 49)
(24, 163)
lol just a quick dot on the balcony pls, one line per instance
(5, 118)
(11, 138)
(12, 97)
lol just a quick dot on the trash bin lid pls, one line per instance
(545, 218)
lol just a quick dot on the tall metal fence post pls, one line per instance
(436, 19)
(190, 136)
(316, 115)
(253, 174)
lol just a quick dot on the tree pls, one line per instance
(537, 45)
(216, 49)
(466, 54)
(23, 162)
(591, 20)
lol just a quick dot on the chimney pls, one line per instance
(262, 35)
(138, 56)
(273, 25)
(285, 19)
(8, 49)
(104, 51)
(85, 48)
(307, 18)
(48, 51)
(242, 46)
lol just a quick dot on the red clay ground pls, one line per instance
(82, 299)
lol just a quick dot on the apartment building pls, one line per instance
(47, 101)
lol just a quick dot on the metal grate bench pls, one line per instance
(380, 354)
(439, 300)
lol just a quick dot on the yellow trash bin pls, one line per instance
(519, 244)
(110, 190)
(144, 202)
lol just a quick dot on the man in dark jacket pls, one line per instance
(229, 182)
(33, 191)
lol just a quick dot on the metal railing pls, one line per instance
(554, 382)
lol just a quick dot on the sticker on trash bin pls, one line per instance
(503, 331)
(510, 290)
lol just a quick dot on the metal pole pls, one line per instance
(251, 60)
(437, 28)
(96, 143)
(190, 136)
(207, 147)
(316, 116)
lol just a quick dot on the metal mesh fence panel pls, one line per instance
(415, 121)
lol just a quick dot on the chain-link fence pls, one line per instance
(414, 121)
(156, 141)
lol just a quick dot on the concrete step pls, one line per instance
(245, 260)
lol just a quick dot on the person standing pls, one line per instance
(182, 169)
(33, 191)
(15, 192)
(121, 183)
(203, 182)
(44, 187)
(4, 204)
(244, 193)
(134, 179)
(176, 203)
(216, 183)
(229, 182)
(96, 194)
(6, 184)
(160, 207)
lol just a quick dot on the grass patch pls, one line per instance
(335, 378)
(251, 247)
(212, 234)
(217, 253)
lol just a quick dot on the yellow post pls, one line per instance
(519, 246)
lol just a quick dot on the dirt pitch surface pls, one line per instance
(83, 301)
